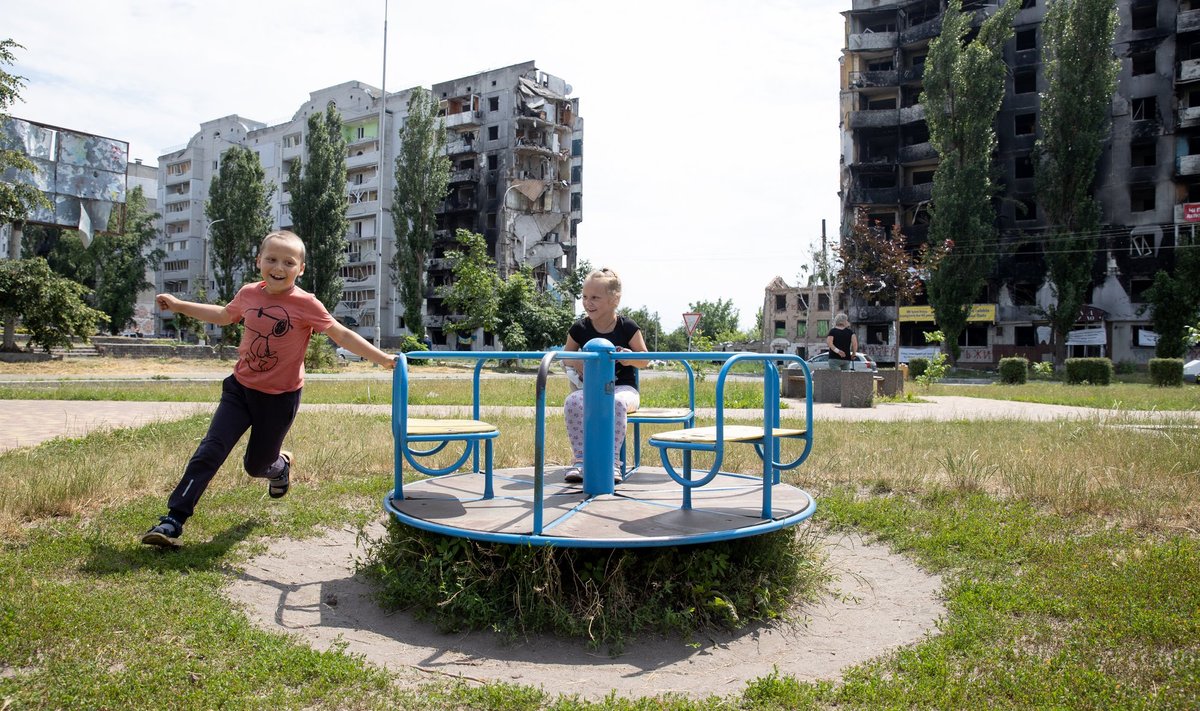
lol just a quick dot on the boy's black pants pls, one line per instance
(268, 417)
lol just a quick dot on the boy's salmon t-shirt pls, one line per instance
(275, 337)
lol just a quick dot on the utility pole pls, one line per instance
(383, 194)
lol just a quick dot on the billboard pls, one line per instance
(82, 175)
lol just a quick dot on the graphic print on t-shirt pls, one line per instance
(265, 322)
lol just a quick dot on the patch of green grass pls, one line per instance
(1068, 550)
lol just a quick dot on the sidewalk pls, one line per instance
(25, 423)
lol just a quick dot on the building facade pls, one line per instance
(796, 319)
(1149, 171)
(515, 142)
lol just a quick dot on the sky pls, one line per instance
(711, 140)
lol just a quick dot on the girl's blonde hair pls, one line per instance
(608, 277)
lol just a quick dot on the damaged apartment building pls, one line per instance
(514, 139)
(1148, 180)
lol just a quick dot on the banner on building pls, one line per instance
(979, 312)
(1147, 338)
(1087, 337)
(1191, 212)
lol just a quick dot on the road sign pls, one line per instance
(690, 320)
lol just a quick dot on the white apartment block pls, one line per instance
(515, 141)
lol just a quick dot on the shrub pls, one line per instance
(1097, 371)
(1167, 372)
(412, 343)
(917, 367)
(1043, 369)
(1125, 367)
(320, 354)
(1014, 370)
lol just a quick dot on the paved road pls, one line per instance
(25, 423)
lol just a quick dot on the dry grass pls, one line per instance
(1146, 479)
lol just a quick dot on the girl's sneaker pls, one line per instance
(165, 535)
(574, 475)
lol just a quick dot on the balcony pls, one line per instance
(863, 80)
(1187, 21)
(874, 196)
(867, 41)
(924, 31)
(460, 204)
(1189, 116)
(469, 175)
(1189, 71)
(463, 119)
(883, 118)
(460, 147)
(916, 193)
(917, 153)
(362, 160)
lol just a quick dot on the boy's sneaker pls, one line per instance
(165, 535)
(277, 488)
(574, 475)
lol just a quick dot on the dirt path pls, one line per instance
(308, 588)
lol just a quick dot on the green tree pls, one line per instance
(473, 296)
(51, 307)
(422, 175)
(648, 322)
(63, 250)
(964, 84)
(239, 211)
(1080, 74)
(122, 257)
(17, 199)
(529, 318)
(718, 320)
(319, 206)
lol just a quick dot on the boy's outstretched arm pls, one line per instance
(359, 346)
(212, 313)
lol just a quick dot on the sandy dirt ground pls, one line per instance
(308, 588)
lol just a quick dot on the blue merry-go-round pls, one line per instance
(672, 504)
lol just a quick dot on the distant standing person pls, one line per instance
(843, 344)
(263, 394)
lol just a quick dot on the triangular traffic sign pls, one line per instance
(690, 320)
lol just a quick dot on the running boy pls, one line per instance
(601, 297)
(263, 393)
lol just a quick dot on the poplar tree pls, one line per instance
(1081, 74)
(964, 85)
(318, 206)
(422, 176)
(239, 213)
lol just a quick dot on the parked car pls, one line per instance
(861, 361)
(1191, 371)
(347, 355)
